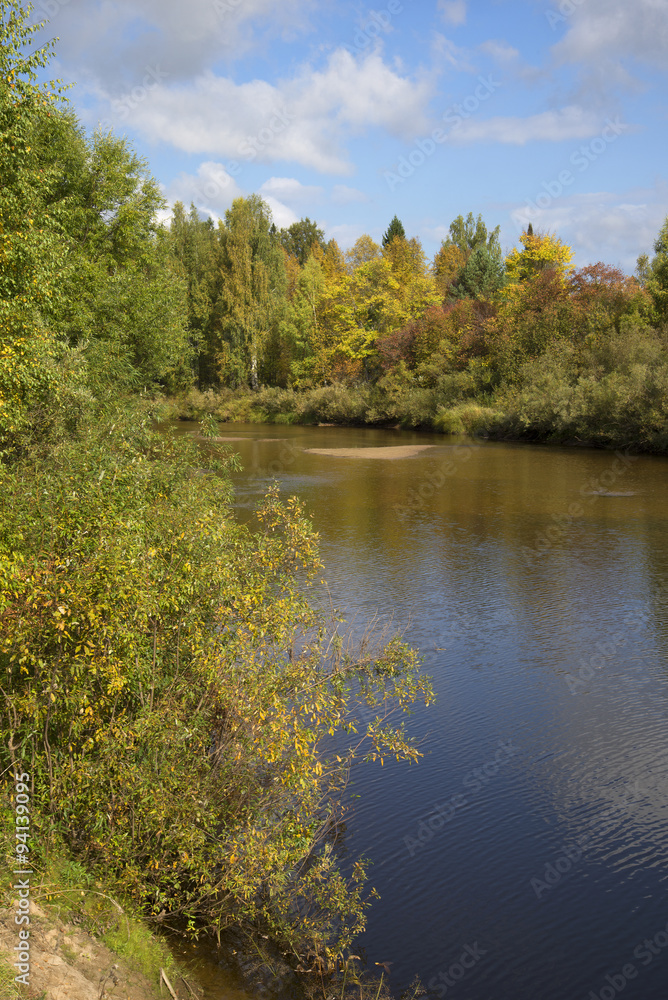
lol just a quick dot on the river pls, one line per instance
(525, 856)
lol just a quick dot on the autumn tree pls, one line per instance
(364, 250)
(174, 691)
(471, 234)
(601, 295)
(132, 322)
(466, 236)
(416, 287)
(251, 295)
(447, 266)
(535, 308)
(657, 275)
(308, 360)
(384, 289)
(540, 252)
(89, 302)
(194, 246)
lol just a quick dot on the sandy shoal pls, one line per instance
(389, 452)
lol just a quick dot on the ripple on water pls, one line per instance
(560, 649)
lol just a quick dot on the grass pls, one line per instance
(68, 891)
(470, 419)
(139, 948)
(9, 990)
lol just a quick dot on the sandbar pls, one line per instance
(388, 452)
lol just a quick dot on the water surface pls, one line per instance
(526, 855)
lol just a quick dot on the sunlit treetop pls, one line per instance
(19, 65)
(540, 252)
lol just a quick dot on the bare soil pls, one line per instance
(67, 963)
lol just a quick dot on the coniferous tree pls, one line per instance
(395, 228)
(481, 277)
(466, 237)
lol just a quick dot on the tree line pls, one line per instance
(96, 296)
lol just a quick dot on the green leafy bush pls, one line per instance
(172, 686)
(471, 419)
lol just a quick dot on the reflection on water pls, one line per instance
(536, 582)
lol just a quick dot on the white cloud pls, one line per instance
(549, 126)
(500, 51)
(343, 195)
(446, 51)
(305, 120)
(364, 93)
(608, 39)
(346, 234)
(182, 38)
(624, 225)
(281, 214)
(453, 11)
(211, 190)
(605, 30)
(290, 190)
(435, 233)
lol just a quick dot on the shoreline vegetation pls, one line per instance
(166, 685)
(339, 405)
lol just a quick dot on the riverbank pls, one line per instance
(81, 950)
(169, 795)
(506, 418)
(84, 946)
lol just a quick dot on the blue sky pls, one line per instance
(550, 112)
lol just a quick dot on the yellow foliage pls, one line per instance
(173, 686)
(541, 252)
